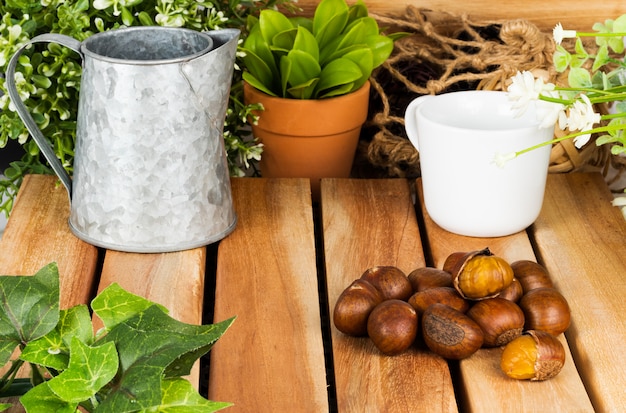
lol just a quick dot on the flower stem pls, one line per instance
(608, 128)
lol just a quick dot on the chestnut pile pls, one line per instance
(477, 300)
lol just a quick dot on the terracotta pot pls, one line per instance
(309, 138)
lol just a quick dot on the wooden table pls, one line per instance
(282, 269)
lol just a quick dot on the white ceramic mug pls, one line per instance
(458, 135)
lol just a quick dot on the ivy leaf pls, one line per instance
(53, 349)
(89, 370)
(114, 305)
(151, 346)
(42, 399)
(179, 395)
(29, 308)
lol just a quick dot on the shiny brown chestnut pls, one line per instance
(354, 306)
(429, 277)
(390, 281)
(546, 309)
(513, 292)
(500, 319)
(531, 275)
(450, 333)
(421, 300)
(392, 326)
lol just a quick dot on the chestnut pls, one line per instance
(479, 274)
(535, 355)
(392, 326)
(429, 277)
(531, 275)
(421, 300)
(390, 281)
(513, 292)
(450, 333)
(354, 306)
(545, 309)
(500, 319)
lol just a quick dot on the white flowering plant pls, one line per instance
(593, 78)
(48, 80)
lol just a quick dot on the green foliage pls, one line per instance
(604, 81)
(331, 54)
(134, 365)
(48, 79)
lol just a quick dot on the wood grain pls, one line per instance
(581, 239)
(272, 358)
(573, 14)
(368, 223)
(484, 387)
(38, 233)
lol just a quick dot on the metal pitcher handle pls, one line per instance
(22, 111)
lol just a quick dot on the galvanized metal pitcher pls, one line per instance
(150, 170)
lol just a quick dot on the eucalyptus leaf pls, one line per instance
(579, 78)
(602, 57)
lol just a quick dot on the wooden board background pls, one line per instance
(574, 14)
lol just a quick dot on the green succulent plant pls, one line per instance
(331, 54)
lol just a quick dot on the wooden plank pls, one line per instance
(581, 239)
(485, 387)
(38, 233)
(368, 223)
(574, 14)
(174, 280)
(272, 358)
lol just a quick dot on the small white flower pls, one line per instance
(500, 160)
(549, 113)
(525, 88)
(559, 34)
(582, 117)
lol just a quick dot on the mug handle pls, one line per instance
(410, 118)
(22, 111)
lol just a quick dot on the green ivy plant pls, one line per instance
(135, 364)
(328, 55)
(49, 80)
